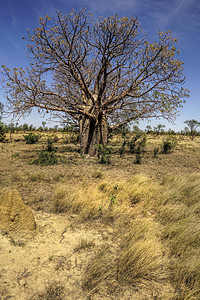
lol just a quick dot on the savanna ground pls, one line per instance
(117, 231)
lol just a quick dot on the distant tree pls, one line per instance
(136, 128)
(105, 73)
(192, 126)
(16, 126)
(31, 127)
(171, 132)
(56, 127)
(148, 129)
(43, 125)
(40, 128)
(186, 131)
(25, 127)
(11, 127)
(159, 129)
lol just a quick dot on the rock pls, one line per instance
(14, 214)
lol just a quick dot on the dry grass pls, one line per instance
(152, 209)
(160, 223)
(84, 244)
(54, 291)
(108, 199)
(180, 217)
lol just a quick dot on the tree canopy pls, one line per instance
(97, 73)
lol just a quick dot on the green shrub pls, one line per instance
(138, 158)
(137, 142)
(46, 158)
(50, 147)
(169, 145)
(155, 152)
(122, 148)
(103, 154)
(32, 138)
(3, 130)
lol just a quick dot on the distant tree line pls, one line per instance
(190, 130)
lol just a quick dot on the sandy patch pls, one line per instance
(28, 266)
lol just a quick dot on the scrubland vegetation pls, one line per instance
(149, 209)
(125, 223)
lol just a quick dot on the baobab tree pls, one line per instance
(99, 74)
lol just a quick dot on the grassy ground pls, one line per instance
(146, 215)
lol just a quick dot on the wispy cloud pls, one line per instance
(169, 12)
(16, 45)
(110, 6)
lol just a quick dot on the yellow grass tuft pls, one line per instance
(142, 253)
(179, 214)
(138, 259)
(108, 199)
(157, 227)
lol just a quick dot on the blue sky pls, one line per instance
(180, 16)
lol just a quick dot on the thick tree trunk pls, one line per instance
(92, 133)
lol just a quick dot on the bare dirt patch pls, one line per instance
(28, 266)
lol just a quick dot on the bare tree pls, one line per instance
(98, 74)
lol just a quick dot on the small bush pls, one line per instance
(3, 131)
(137, 143)
(138, 158)
(155, 152)
(50, 147)
(46, 158)
(32, 138)
(103, 154)
(169, 145)
(122, 148)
